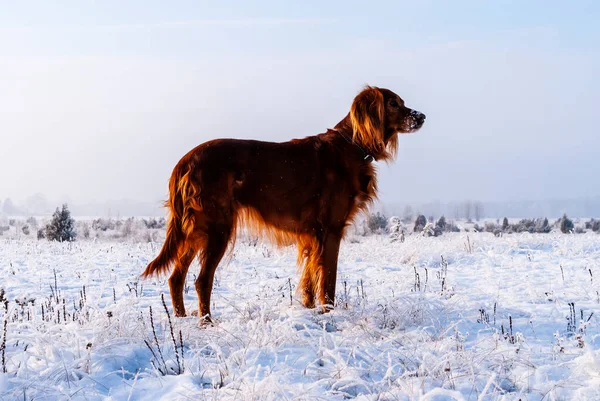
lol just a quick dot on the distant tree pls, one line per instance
(61, 227)
(566, 225)
(395, 229)
(457, 212)
(153, 223)
(525, 225)
(441, 223)
(542, 226)
(128, 228)
(490, 227)
(504, 224)
(478, 210)
(468, 209)
(377, 222)
(440, 226)
(420, 223)
(451, 227)
(407, 216)
(9, 208)
(32, 222)
(103, 224)
(83, 228)
(593, 225)
(429, 230)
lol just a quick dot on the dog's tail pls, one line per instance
(168, 253)
(183, 202)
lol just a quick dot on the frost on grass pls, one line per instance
(451, 318)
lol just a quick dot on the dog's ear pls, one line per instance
(368, 118)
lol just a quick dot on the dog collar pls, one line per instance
(366, 157)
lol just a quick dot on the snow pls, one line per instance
(408, 325)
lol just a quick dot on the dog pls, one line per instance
(304, 191)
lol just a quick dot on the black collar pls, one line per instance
(366, 157)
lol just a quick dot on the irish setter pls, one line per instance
(305, 191)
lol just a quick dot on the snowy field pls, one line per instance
(445, 318)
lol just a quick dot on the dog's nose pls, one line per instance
(417, 115)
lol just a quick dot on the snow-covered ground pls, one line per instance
(446, 318)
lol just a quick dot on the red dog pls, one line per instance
(304, 191)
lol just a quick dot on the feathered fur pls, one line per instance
(305, 191)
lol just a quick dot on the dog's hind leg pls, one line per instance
(217, 240)
(185, 257)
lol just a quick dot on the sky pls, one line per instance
(100, 99)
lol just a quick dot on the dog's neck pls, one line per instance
(344, 129)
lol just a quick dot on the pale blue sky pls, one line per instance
(123, 89)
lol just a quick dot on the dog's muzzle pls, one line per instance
(418, 120)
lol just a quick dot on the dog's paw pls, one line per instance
(205, 320)
(321, 309)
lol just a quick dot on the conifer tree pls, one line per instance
(62, 226)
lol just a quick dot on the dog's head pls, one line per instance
(377, 116)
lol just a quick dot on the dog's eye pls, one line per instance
(394, 103)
